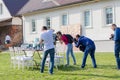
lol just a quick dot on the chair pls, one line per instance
(12, 57)
(23, 58)
(59, 56)
(58, 59)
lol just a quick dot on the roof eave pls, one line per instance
(78, 2)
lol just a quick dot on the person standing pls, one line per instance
(47, 38)
(7, 39)
(67, 39)
(116, 38)
(88, 47)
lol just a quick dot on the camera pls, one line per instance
(55, 38)
(111, 37)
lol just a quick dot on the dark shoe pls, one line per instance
(118, 68)
(51, 73)
(82, 66)
(66, 64)
(95, 66)
(41, 71)
(74, 64)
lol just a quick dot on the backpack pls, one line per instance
(69, 37)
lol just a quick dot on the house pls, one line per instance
(9, 22)
(93, 16)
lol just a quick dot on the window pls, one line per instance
(1, 10)
(48, 22)
(64, 19)
(109, 15)
(33, 26)
(87, 18)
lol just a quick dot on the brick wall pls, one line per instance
(15, 33)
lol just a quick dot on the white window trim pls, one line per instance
(62, 19)
(104, 15)
(87, 27)
(35, 26)
(45, 23)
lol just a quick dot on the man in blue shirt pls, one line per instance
(117, 43)
(88, 47)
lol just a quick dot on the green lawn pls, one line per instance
(106, 70)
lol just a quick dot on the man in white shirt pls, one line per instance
(7, 39)
(47, 38)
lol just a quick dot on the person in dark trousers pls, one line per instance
(116, 38)
(68, 40)
(88, 47)
(47, 38)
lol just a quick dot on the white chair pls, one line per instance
(28, 59)
(12, 57)
(23, 59)
(59, 58)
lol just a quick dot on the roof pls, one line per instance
(14, 6)
(35, 5)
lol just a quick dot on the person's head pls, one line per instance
(113, 26)
(59, 33)
(77, 36)
(44, 28)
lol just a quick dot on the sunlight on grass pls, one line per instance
(106, 70)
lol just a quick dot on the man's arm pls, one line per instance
(77, 44)
(41, 41)
(116, 35)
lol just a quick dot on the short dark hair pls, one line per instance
(78, 35)
(44, 28)
(59, 32)
(114, 25)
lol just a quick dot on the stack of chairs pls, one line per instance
(20, 58)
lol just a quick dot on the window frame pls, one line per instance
(49, 22)
(113, 15)
(33, 20)
(66, 19)
(90, 18)
(107, 19)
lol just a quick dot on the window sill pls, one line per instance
(33, 33)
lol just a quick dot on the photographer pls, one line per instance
(68, 40)
(87, 46)
(116, 38)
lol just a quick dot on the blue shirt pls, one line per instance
(117, 35)
(84, 41)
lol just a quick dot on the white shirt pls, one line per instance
(47, 37)
(7, 38)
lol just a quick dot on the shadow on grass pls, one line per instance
(91, 75)
(107, 66)
(69, 68)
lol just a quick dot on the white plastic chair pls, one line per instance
(59, 54)
(59, 58)
(12, 57)
(23, 59)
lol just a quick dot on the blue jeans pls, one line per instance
(117, 54)
(51, 52)
(89, 50)
(70, 50)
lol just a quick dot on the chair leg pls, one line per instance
(23, 64)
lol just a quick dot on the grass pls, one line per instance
(106, 70)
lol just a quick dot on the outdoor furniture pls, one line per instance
(32, 52)
(22, 58)
(12, 57)
(59, 58)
